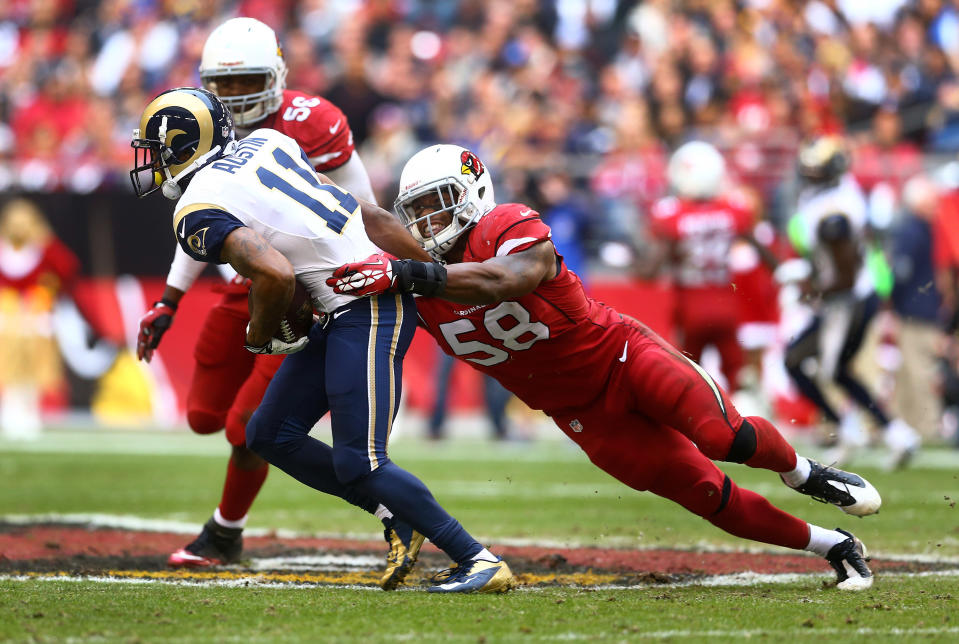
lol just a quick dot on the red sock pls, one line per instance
(750, 516)
(772, 450)
(240, 489)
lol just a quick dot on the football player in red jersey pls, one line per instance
(504, 301)
(697, 227)
(242, 63)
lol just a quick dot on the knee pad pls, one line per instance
(202, 421)
(744, 444)
(236, 422)
(352, 464)
(708, 497)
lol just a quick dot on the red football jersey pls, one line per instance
(317, 125)
(704, 232)
(554, 347)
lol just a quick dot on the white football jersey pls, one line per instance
(814, 205)
(267, 184)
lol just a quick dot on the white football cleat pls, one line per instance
(902, 441)
(849, 492)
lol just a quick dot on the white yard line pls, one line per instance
(736, 580)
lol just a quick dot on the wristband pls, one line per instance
(165, 302)
(421, 278)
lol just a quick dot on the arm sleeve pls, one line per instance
(352, 175)
(184, 270)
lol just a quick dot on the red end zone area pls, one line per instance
(96, 552)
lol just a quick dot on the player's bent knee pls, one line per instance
(708, 498)
(202, 421)
(350, 464)
(744, 444)
(256, 436)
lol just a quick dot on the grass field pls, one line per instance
(544, 493)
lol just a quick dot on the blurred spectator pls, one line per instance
(917, 304)
(604, 88)
(34, 269)
(567, 216)
(495, 400)
(883, 162)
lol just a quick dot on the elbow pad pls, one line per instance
(422, 278)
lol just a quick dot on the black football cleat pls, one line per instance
(848, 558)
(849, 492)
(215, 546)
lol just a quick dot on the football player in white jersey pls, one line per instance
(259, 206)
(243, 64)
(829, 228)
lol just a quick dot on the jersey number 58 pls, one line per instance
(516, 337)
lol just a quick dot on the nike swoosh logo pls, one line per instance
(471, 578)
(183, 228)
(339, 313)
(623, 357)
(335, 127)
(525, 212)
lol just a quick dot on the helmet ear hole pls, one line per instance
(481, 192)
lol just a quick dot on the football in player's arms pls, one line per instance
(259, 205)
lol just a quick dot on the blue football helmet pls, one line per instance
(181, 130)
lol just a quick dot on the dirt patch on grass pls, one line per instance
(93, 551)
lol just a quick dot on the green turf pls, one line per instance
(544, 491)
(540, 490)
(899, 609)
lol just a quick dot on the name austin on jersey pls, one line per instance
(244, 152)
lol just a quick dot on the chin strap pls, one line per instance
(171, 188)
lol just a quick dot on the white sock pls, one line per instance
(485, 555)
(226, 523)
(382, 513)
(799, 474)
(821, 540)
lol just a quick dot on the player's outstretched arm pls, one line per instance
(385, 230)
(500, 278)
(389, 234)
(494, 280)
(272, 277)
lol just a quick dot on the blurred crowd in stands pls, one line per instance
(576, 103)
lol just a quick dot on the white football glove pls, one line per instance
(275, 346)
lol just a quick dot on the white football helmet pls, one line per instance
(696, 171)
(464, 188)
(244, 46)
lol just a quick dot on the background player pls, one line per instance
(697, 227)
(830, 230)
(642, 411)
(260, 206)
(242, 63)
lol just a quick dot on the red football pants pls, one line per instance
(660, 425)
(711, 317)
(228, 381)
